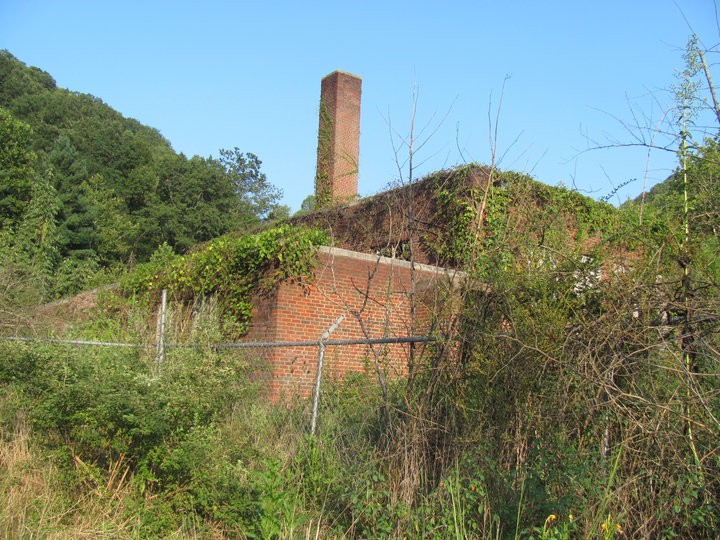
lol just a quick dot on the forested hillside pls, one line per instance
(84, 189)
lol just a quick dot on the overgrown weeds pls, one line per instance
(558, 402)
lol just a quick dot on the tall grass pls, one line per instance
(504, 437)
(35, 502)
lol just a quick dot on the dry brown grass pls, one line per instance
(34, 504)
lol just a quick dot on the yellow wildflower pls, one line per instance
(549, 520)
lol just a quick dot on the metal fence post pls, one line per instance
(160, 338)
(318, 379)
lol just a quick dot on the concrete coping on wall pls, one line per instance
(450, 273)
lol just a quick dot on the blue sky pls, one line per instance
(213, 74)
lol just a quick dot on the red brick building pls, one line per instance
(365, 286)
(373, 297)
(362, 286)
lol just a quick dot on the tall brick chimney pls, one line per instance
(338, 154)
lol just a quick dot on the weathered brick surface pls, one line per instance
(338, 138)
(362, 287)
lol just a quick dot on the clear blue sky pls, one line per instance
(212, 74)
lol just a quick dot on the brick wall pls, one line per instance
(349, 283)
(338, 138)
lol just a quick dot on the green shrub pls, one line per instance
(230, 268)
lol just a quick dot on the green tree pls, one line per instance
(37, 236)
(29, 254)
(76, 214)
(308, 205)
(16, 168)
(193, 201)
(17, 80)
(257, 196)
(282, 211)
(116, 231)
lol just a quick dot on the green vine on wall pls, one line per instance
(458, 194)
(231, 268)
(323, 190)
(516, 213)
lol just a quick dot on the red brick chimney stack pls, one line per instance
(338, 155)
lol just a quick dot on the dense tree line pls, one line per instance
(111, 188)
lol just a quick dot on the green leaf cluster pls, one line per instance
(488, 216)
(232, 268)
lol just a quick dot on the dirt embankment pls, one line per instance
(66, 311)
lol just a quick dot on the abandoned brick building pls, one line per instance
(364, 285)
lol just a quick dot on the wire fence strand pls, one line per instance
(233, 345)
